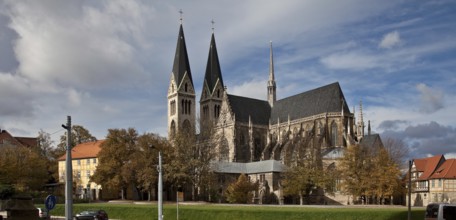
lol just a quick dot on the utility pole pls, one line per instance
(160, 188)
(68, 173)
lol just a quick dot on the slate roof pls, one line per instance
(213, 71)
(181, 63)
(242, 107)
(265, 166)
(333, 153)
(84, 150)
(371, 140)
(317, 101)
(445, 171)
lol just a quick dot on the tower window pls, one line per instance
(186, 87)
(218, 93)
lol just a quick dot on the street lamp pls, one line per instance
(160, 185)
(160, 188)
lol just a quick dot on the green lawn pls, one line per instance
(216, 212)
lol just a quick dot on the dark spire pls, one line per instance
(181, 64)
(213, 72)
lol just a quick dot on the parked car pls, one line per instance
(440, 211)
(43, 214)
(92, 215)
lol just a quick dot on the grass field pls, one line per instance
(216, 212)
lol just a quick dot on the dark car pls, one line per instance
(92, 215)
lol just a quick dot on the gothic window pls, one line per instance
(224, 150)
(218, 93)
(173, 107)
(186, 87)
(183, 106)
(189, 107)
(333, 134)
(216, 111)
(172, 129)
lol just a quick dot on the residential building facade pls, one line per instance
(433, 180)
(84, 161)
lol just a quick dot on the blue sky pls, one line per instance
(108, 63)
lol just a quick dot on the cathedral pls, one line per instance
(259, 137)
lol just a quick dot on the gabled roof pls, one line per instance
(372, 140)
(328, 98)
(265, 166)
(85, 150)
(181, 63)
(428, 165)
(445, 171)
(213, 70)
(5, 137)
(242, 107)
(28, 141)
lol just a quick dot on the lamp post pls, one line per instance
(160, 188)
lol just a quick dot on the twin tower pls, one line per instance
(181, 91)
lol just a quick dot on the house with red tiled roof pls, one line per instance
(84, 161)
(433, 180)
(6, 139)
(443, 183)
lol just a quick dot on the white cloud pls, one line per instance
(253, 89)
(431, 99)
(390, 40)
(354, 60)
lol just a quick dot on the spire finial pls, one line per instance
(212, 22)
(181, 12)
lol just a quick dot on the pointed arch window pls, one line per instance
(334, 134)
(172, 129)
(186, 87)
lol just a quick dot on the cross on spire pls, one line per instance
(213, 22)
(181, 12)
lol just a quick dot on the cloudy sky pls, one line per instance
(108, 63)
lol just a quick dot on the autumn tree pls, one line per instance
(241, 191)
(369, 173)
(115, 158)
(22, 167)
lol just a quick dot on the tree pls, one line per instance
(306, 178)
(146, 160)
(79, 135)
(241, 191)
(22, 168)
(50, 154)
(354, 169)
(371, 174)
(114, 169)
(397, 150)
(189, 163)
